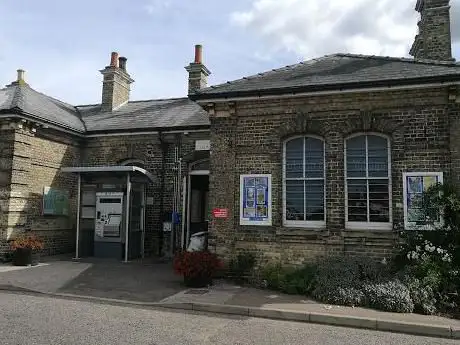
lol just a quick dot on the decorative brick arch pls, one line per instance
(302, 124)
(370, 121)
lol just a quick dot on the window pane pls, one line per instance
(357, 200)
(378, 156)
(314, 158)
(295, 200)
(294, 158)
(379, 201)
(356, 157)
(314, 199)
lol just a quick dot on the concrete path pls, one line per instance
(146, 281)
(153, 284)
(47, 277)
(139, 282)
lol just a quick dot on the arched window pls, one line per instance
(368, 182)
(303, 182)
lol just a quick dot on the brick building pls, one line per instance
(55, 156)
(339, 145)
(319, 157)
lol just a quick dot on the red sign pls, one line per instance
(220, 213)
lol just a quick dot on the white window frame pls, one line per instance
(304, 223)
(369, 225)
(412, 225)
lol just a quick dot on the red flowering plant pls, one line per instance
(27, 241)
(196, 264)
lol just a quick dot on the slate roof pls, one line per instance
(22, 98)
(135, 115)
(336, 71)
(161, 113)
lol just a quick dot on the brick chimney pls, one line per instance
(433, 41)
(116, 83)
(20, 78)
(197, 72)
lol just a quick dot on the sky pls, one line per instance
(62, 45)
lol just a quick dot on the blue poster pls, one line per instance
(255, 198)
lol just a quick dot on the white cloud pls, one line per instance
(154, 6)
(313, 28)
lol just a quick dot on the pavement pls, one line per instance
(39, 320)
(152, 284)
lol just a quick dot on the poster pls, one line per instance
(255, 201)
(415, 184)
(55, 202)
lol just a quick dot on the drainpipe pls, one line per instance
(176, 190)
(164, 149)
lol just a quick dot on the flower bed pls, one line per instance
(424, 277)
(197, 268)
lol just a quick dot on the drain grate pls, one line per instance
(196, 292)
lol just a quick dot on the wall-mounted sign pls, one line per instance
(202, 145)
(220, 213)
(55, 202)
(167, 226)
(414, 185)
(255, 199)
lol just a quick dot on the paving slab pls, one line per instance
(47, 277)
(8, 267)
(456, 332)
(133, 281)
(219, 293)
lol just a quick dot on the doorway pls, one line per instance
(197, 200)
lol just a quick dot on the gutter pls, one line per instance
(322, 90)
(146, 132)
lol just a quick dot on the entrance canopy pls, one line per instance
(127, 172)
(113, 170)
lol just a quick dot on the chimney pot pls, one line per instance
(197, 72)
(198, 53)
(114, 59)
(20, 75)
(122, 63)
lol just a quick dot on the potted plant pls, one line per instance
(25, 249)
(197, 268)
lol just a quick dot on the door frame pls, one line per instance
(186, 198)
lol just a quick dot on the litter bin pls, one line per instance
(198, 242)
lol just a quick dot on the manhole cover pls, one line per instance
(196, 292)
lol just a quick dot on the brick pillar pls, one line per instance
(6, 156)
(223, 184)
(454, 126)
(433, 41)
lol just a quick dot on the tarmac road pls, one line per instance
(36, 320)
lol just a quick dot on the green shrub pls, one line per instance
(300, 281)
(272, 275)
(290, 280)
(422, 295)
(243, 264)
(339, 279)
(391, 296)
(347, 296)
